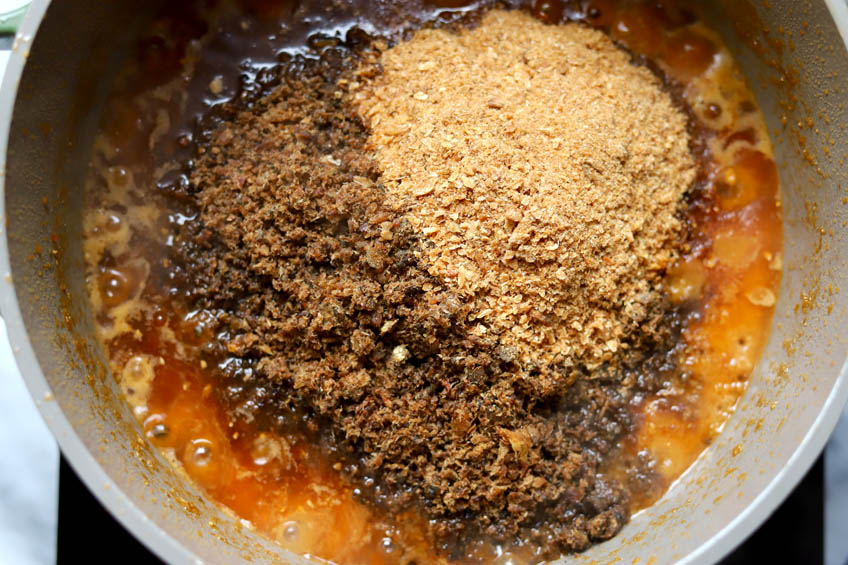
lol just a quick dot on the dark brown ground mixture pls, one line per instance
(327, 320)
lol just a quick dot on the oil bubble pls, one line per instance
(291, 531)
(387, 545)
(200, 452)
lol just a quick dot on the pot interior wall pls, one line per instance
(785, 415)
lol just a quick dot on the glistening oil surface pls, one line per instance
(163, 354)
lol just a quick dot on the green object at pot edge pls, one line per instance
(10, 20)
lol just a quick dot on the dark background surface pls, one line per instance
(794, 534)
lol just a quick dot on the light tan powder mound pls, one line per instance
(544, 168)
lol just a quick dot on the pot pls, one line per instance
(795, 56)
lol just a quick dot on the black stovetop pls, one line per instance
(794, 534)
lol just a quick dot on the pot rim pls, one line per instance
(166, 547)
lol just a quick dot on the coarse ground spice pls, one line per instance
(331, 320)
(544, 170)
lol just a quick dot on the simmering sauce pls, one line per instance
(164, 354)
